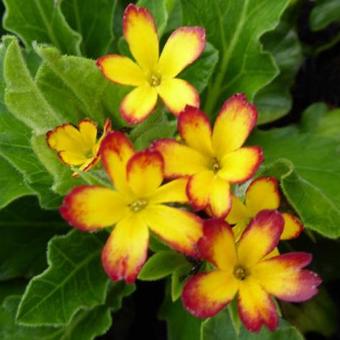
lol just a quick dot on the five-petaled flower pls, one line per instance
(78, 147)
(153, 75)
(244, 269)
(137, 203)
(262, 194)
(213, 158)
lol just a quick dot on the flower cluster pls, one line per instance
(162, 189)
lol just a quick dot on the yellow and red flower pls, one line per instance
(151, 74)
(242, 269)
(78, 147)
(262, 194)
(213, 158)
(137, 204)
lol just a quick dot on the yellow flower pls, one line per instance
(262, 194)
(78, 147)
(243, 269)
(213, 158)
(153, 75)
(137, 204)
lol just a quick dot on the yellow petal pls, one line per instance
(238, 211)
(220, 197)
(183, 47)
(88, 131)
(121, 70)
(263, 193)
(233, 124)
(140, 33)
(240, 165)
(239, 228)
(255, 306)
(126, 249)
(179, 159)
(73, 158)
(217, 245)
(260, 237)
(199, 189)
(177, 94)
(138, 104)
(178, 228)
(205, 294)
(174, 191)
(66, 138)
(93, 207)
(116, 150)
(194, 127)
(284, 277)
(292, 227)
(145, 172)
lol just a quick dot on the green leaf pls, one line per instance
(178, 278)
(23, 97)
(24, 237)
(220, 327)
(12, 185)
(74, 280)
(235, 29)
(15, 147)
(86, 324)
(317, 315)
(200, 72)
(308, 167)
(275, 100)
(159, 11)
(161, 265)
(324, 13)
(93, 19)
(180, 324)
(321, 121)
(41, 21)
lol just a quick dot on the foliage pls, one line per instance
(48, 77)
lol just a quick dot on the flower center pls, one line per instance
(215, 165)
(138, 205)
(240, 272)
(155, 80)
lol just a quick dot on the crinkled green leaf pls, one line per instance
(85, 325)
(24, 237)
(74, 280)
(161, 265)
(275, 100)
(235, 29)
(23, 97)
(220, 327)
(93, 19)
(41, 21)
(324, 13)
(308, 167)
(11, 287)
(12, 184)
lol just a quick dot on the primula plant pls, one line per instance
(164, 171)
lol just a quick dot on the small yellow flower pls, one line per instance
(153, 75)
(138, 204)
(262, 194)
(243, 269)
(213, 158)
(78, 147)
